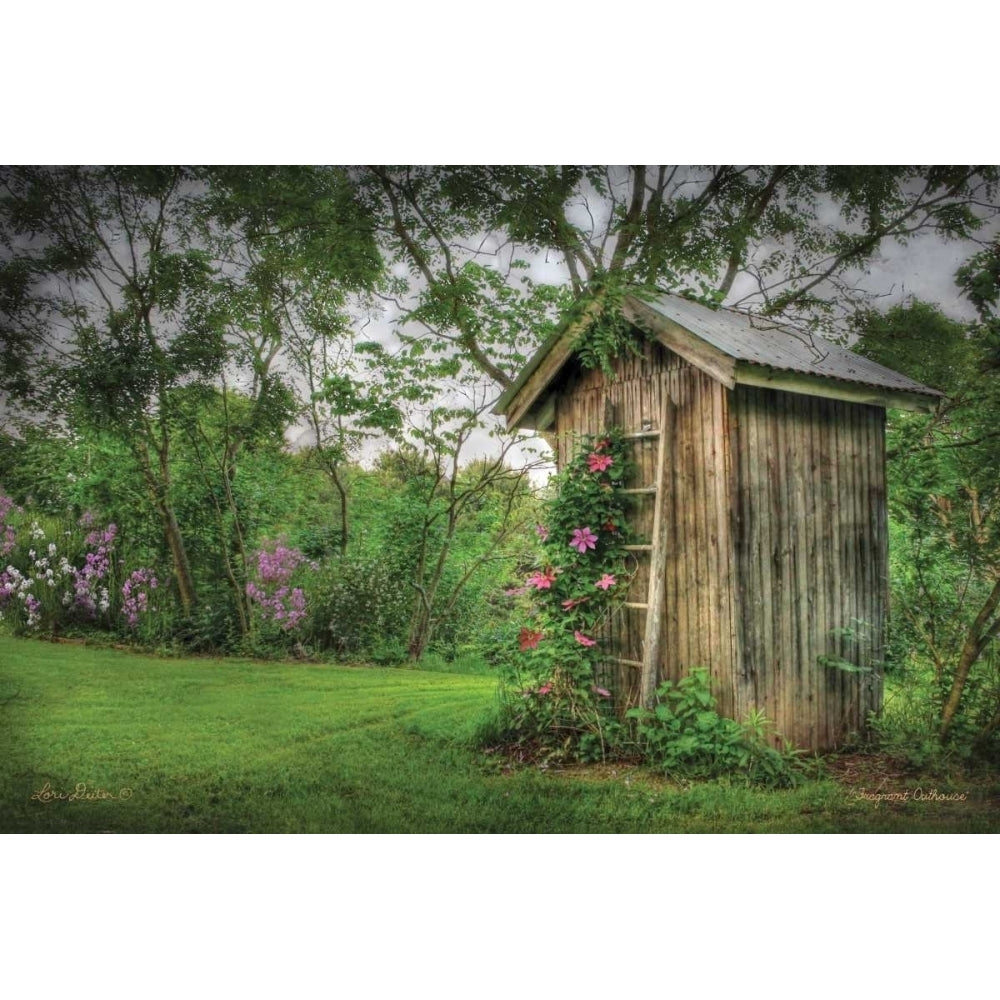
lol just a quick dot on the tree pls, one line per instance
(449, 496)
(126, 289)
(298, 248)
(109, 306)
(944, 492)
(785, 239)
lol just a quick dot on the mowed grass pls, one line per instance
(229, 746)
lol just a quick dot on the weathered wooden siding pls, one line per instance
(810, 546)
(699, 628)
(776, 540)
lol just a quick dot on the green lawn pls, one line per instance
(234, 746)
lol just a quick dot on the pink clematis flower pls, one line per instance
(529, 639)
(583, 539)
(542, 532)
(606, 582)
(542, 581)
(573, 602)
(598, 463)
(584, 640)
(545, 688)
(601, 692)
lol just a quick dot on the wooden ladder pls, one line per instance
(654, 605)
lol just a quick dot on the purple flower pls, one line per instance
(583, 539)
(8, 539)
(279, 602)
(135, 590)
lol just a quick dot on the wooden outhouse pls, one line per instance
(760, 508)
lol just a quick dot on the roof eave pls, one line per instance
(765, 377)
(509, 394)
(543, 366)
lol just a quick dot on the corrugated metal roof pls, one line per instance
(762, 341)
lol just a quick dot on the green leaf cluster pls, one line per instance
(686, 737)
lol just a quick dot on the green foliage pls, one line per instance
(847, 638)
(360, 601)
(358, 607)
(979, 278)
(908, 727)
(944, 503)
(687, 738)
(606, 334)
(932, 348)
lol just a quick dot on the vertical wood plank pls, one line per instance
(786, 597)
(818, 564)
(804, 526)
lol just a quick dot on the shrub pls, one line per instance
(358, 606)
(273, 591)
(211, 627)
(686, 736)
(909, 726)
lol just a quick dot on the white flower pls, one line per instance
(52, 548)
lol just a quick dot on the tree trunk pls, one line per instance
(421, 630)
(975, 642)
(171, 529)
(342, 498)
(178, 553)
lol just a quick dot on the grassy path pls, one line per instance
(234, 746)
